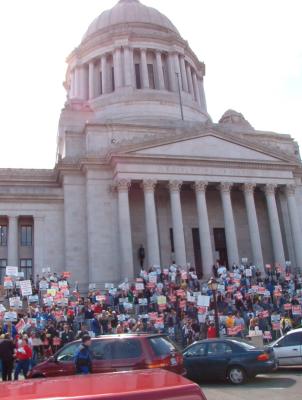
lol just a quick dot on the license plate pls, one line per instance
(173, 361)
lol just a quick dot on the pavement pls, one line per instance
(284, 384)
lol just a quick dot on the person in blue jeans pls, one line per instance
(23, 357)
(83, 358)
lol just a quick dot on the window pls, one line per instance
(138, 76)
(162, 346)
(151, 76)
(3, 235)
(197, 350)
(26, 266)
(26, 235)
(101, 83)
(3, 264)
(102, 349)
(68, 353)
(172, 240)
(295, 339)
(112, 79)
(218, 348)
(124, 349)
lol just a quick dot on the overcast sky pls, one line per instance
(252, 50)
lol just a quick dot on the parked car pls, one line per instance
(134, 385)
(227, 359)
(288, 348)
(112, 353)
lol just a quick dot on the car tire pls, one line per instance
(236, 375)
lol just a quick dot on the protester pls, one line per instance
(23, 357)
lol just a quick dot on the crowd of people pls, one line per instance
(249, 302)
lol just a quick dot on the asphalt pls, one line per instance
(284, 384)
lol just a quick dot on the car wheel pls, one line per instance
(236, 375)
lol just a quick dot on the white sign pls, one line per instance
(139, 286)
(33, 299)
(15, 302)
(26, 288)
(43, 285)
(109, 285)
(143, 302)
(10, 316)
(91, 286)
(2, 308)
(203, 301)
(11, 271)
(248, 272)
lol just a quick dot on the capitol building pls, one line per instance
(141, 164)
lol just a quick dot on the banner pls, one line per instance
(203, 301)
(15, 302)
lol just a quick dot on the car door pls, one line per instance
(288, 349)
(127, 354)
(195, 361)
(218, 357)
(101, 352)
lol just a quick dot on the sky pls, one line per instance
(252, 50)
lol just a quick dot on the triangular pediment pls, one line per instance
(208, 146)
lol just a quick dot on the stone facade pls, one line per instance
(130, 171)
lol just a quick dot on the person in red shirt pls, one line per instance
(211, 334)
(23, 357)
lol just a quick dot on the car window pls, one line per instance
(67, 354)
(294, 339)
(197, 350)
(102, 349)
(161, 345)
(219, 348)
(126, 348)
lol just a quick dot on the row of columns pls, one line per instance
(85, 79)
(174, 186)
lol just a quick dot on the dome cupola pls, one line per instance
(132, 64)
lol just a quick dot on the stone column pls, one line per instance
(126, 254)
(185, 86)
(229, 223)
(117, 63)
(72, 86)
(204, 229)
(151, 222)
(248, 190)
(160, 73)
(13, 242)
(202, 96)
(274, 224)
(196, 88)
(91, 81)
(171, 73)
(76, 82)
(128, 66)
(83, 84)
(144, 69)
(39, 233)
(104, 69)
(295, 224)
(190, 79)
(177, 222)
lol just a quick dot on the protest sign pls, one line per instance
(20, 325)
(248, 273)
(109, 286)
(152, 278)
(11, 271)
(2, 308)
(10, 316)
(26, 289)
(8, 282)
(91, 286)
(191, 298)
(234, 331)
(276, 326)
(43, 285)
(161, 300)
(139, 286)
(287, 306)
(143, 302)
(33, 299)
(296, 310)
(15, 302)
(51, 292)
(203, 301)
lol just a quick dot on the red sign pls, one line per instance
(276, 326)
(287, 306)
(234, 331)
(296, 310)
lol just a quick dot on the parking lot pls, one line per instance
(283, 384)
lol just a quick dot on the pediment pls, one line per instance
(208, 146)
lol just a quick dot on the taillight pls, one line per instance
(159, 363)
(263, 357)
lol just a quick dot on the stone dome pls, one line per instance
(129, 11)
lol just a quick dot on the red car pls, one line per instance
(115, 353)
(135, 385)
